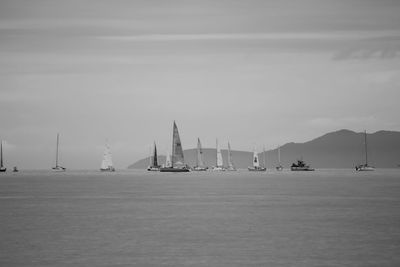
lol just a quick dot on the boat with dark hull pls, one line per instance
(154, 160)
(301, 166)
(177, 160)
(2, 168)
(365, 166)
(256, 163)
(58, 168)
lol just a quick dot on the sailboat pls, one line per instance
(177, 162)
(365, 167)
(256, 162)
(154, 160)
(279, 167)
(58, 168)
(219, 161)
(2, 168)
(107, 164)
(199, 161)
(231, 166)
(168, 162)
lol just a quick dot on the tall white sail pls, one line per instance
(256, 162)
(168, 162)
(220, 162)
(106, 163)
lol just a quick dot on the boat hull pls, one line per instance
(218, 169)
(279, 168)
(3, 169)
(257, 169)
(59, 169)
(304, 169)
(200, 169)
(172, 169)
(364, 168)
(153, 169)
(110, 169)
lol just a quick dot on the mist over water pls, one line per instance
(321, 218)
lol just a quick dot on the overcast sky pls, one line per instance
(251, 72)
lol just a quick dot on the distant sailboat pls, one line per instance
(199, 161)
(15, 169)
(256, 162)
(168, 162)
(154, 160)
(177, 162)
(58, 168)
(231, 166)
(279, 167)
(2, 168)
(365, 167)
(106, 163)
(219, 161)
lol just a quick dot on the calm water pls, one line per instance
(321, 218)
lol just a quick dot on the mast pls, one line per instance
(279, 155)
(229, 156)
(1, 154)
(366, 150)
(216, 146)
(58, 136)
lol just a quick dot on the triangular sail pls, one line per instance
(168, 160)
(366, 148)
(200, 162)
(155, 157)
(279, 155)
(177, 151)
(230, 163)
(220, 162)
(58, 137)
(256, 162)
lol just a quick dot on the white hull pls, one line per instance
(59, 169)
(218, 169)
(363, 168)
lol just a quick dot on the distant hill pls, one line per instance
(340, 149)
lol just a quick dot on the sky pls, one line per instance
(251, 72)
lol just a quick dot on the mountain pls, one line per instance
(340, 149)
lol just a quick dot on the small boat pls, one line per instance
(58, 168)
(177, 161)
(231, 166)
(256, 162)
(199, 161)
(15, 169)
(219, 166)
(2, 168)
(300, 166)
(365, 166)
(106, 163)
(279, 167)
(154, 160)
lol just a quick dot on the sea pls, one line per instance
(139, 218)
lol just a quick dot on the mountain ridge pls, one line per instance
(338, 149)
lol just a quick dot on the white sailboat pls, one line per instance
(168, 162)
(256, 162)
(365, 166)
(106, 163)
(231, 166)
(2, 168)
(58, 168)
(279, 167)
(219, 161)
(199, 161)
(177, 162)
(154, 160)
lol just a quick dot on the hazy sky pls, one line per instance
(251, 72)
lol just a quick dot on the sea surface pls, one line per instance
(138, 218)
